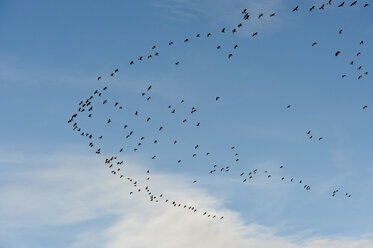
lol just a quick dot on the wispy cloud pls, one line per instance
(72, 189)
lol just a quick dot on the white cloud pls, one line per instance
(69, 189)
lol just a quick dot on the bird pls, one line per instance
(288, 106)
(177, 63)
(296, 8)
(366, 5)
(223, 30)
(208, 35)
(255, 34)
(153, 47)
(99, 77)
(312, 8)
(322, 6)
(217, 98)
(234, 31)
(341, 5)
(308, 132)
(365, 107)
(337, 53)
(361, 42)
(170, 43)
(218, 47)
(340, 31)
(186, 40)
(314, 44)
(272, 15)
(230, 55)
(353, 3)
(260, 15)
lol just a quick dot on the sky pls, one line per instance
(56, 191)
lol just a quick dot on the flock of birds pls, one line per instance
(116, 166)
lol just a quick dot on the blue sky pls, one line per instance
(58, 192)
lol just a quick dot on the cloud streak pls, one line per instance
(65, 190)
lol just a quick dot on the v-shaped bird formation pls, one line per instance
(135, 142)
